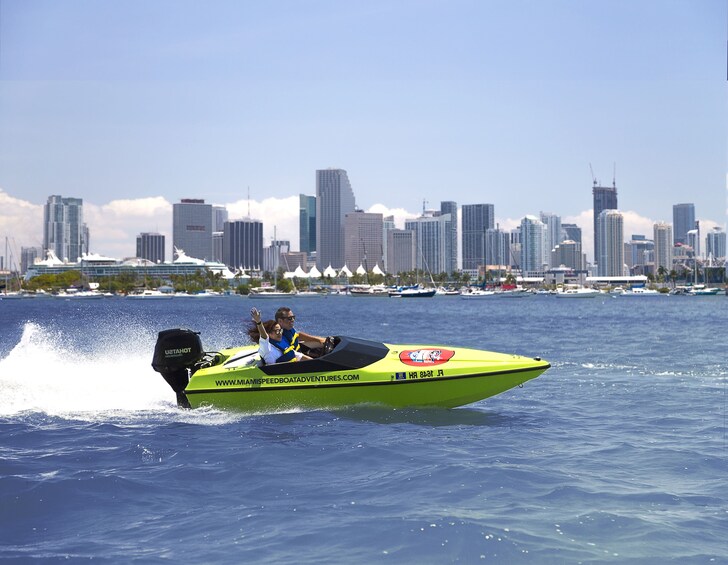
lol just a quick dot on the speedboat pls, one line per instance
(349, 372)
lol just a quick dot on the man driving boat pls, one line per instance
(285, 318)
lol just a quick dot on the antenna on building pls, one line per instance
(614, 177)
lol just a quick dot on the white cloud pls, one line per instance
(21, 222)
(400, 214)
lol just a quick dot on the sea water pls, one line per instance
(617, 454)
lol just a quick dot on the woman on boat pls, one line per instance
(270, 345)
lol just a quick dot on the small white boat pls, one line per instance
(476, 294)
(270, 293)
(640, 291)
(578, 292)
(150, 295)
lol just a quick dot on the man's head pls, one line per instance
(285, 317)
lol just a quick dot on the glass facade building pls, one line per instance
(64, 232)
(307, 223)
(477, 219)
(334, 200)
(192, 228)
(610, 255)
(605, 198)
(683, 220)
(150, 246)
(242, 244)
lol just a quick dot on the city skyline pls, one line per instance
(464, 101)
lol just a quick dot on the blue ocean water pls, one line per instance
(617, 454)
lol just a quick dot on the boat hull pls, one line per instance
(403, 376)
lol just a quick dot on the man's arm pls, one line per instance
(311, 340)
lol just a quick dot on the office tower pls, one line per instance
(192, 228)
(477, 219)
(715, 244)
(610, 255)
(334, 200)
(387, 225)
(28, 255)
(64, 232)
(663, 239)
(497, 247)
(307, 223)
(605, 198)
(451, 241)
(242, 244)
(218, 238)
(274, 256)
(568, 254)
(150, 246)
(533, 245)
(683, 220)
(432, 241)
(219, 217)
(639, 252)
(363, 240)
(571, 232)
(553, 232)
(400, 251)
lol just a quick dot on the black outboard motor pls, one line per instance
(175, 355)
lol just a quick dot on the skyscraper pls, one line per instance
(571, 232)
(605, 198)
(400, 251)
(363, 233)
(553, 232)
(150, 246)
(497, 247)
(610, 255)
(64, 232)
(477, 219)
(334, 200)
(307, 223)
(533, 245)
(663, 245)
(192, 228)
(715, 244)
(450, 208)
(242, 244)
(683, 220)
(432, 236)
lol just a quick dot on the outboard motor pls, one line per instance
(175, 355)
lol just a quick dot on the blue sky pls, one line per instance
(132, 105)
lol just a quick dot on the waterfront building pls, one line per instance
(363, 233)
(568, 254)
(192, 228)
(401, 247)
(477, 219)
(610, 254)
(242, 244)
(663, 246)
(150, 246)
(450, 208)
(638, 253)
(307, 223)
(715, 244)
(553, 232)
(571, 232)
(497, 247)
(533, 245)
(28, 256)
(273, 255)
(334, 200)
(433, 233)
(64, 232)
(605, 198)
(387, 226)
(683, 220)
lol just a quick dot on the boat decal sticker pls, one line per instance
(420, 357)
(293, 379)
(400, 376)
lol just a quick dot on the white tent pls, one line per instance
(314, 273)
(345, 272)
(360, 270)
(376, 270)
(299, 272)
(329, 271)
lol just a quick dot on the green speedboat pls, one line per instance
(350, 371)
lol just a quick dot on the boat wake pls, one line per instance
(113, 381)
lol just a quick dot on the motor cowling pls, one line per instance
(175, 355)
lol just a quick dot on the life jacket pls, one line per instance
(287, 351)
(291, 337)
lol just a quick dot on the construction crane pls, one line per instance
(594, 179)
